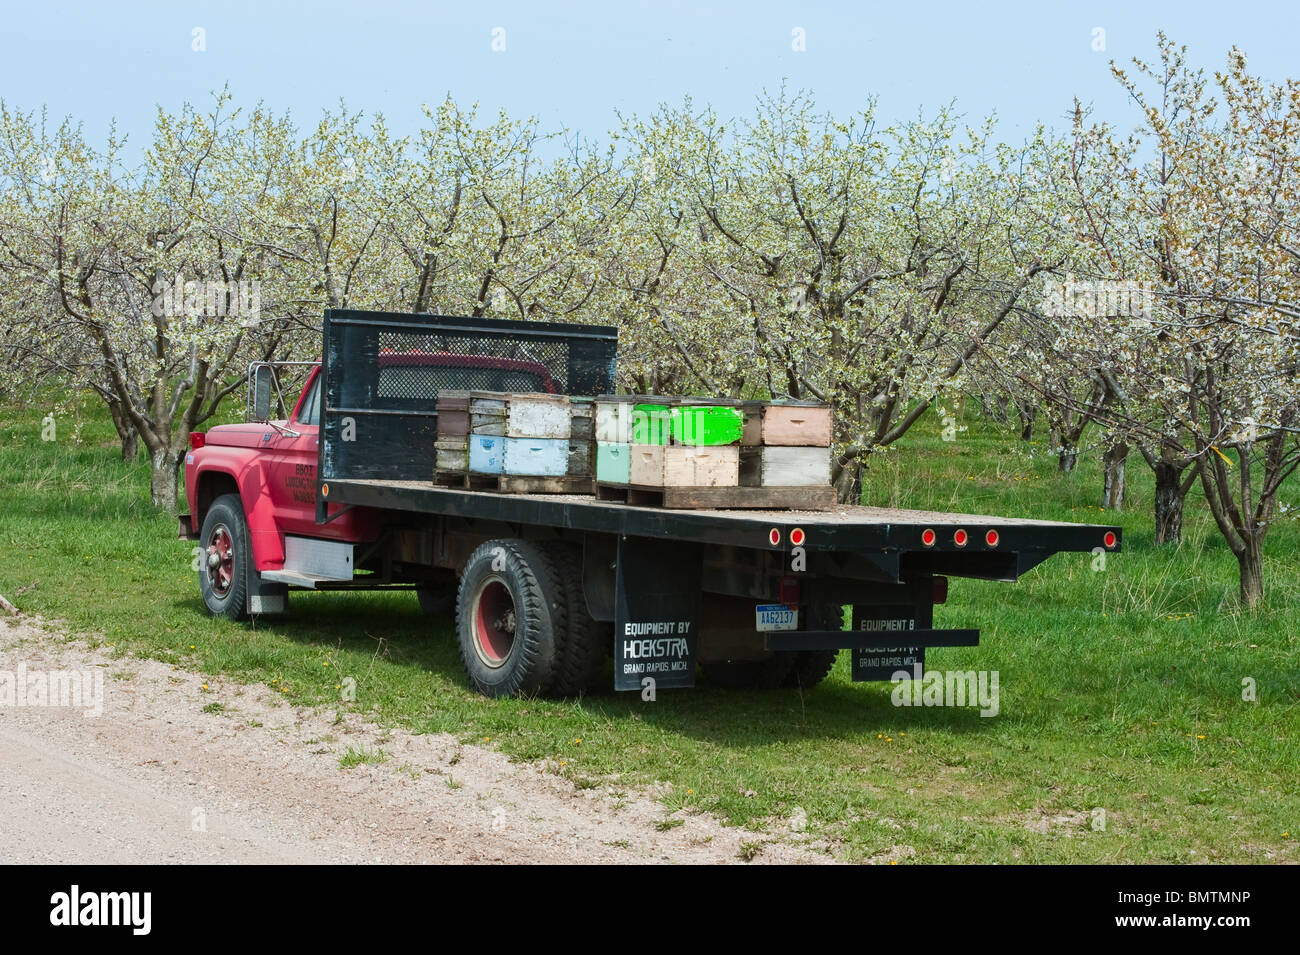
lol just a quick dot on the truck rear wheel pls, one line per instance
(225, 559)
(584, 645)
(510, 611)
(812, 666)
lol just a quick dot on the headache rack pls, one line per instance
(383, 372)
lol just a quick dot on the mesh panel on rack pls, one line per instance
(383, 373)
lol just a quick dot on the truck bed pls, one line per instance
(844, 528)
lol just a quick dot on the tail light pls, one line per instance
(197, 440)
(960, 538)
(928, 537)
(789, 591)
(1110, 539)
(992, 538)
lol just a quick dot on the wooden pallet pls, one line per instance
(814, 498)
(514, 483)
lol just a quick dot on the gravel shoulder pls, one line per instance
(155, 779)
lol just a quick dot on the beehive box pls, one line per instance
(631, 418)
(613, 462)
(785, 467)
(537, 416)
(486, 454)
(539, 457)
(706, 425)
(453, 413)
(452, 453)
(682, 466)
(487, 413)
(613, 418)
(582, 437)
(796, 424)
(752, 433)
(582, 419)
(581, 459)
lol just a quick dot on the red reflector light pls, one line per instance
(927, 537)
(940, 589)
(960, 538)
(197, 440)
(1110, 538)
(796, 536)
(991, 538)
(774, 536)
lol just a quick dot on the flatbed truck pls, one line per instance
(546, 588)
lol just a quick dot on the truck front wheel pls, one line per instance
(510, 610)
(224, 561)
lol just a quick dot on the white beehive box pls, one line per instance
(538, 416)
(785, 467)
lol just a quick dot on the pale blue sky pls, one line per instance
(575, 63)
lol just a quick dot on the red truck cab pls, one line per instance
(251, 487)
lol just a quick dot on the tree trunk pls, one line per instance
(1170, 495)
(1113, 464)
(848, 483)
(1027, 416)
(164, 478)
(1067, 457)
(126, 431)
(1250, 561)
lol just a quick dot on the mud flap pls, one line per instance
(265, 597)
(656, 609)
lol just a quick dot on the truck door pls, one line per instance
(292, 466)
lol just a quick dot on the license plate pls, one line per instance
(768, 617)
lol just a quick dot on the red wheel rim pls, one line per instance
(494, 622)
(220, 564)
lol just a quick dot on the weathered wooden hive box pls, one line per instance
(451, 447)
(487, 413)
(582, 437)
(538, 416)
(655, 465)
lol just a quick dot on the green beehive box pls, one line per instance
(707, 425)
(613, 462)
(652, 424)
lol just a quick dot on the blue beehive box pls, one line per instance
(540, 457)
(486, 454)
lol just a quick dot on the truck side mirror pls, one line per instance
(263, 382)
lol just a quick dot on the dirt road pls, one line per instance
(154, 778)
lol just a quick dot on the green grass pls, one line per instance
(362, 757)
(1121, 689)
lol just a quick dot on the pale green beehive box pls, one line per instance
(613, 462)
